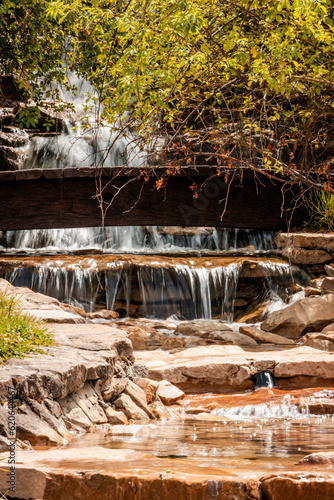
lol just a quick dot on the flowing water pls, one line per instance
(261, 431)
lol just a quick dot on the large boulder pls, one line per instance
(320, 340)
(311, 314)
(298, 486)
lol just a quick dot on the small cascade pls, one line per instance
(83, 140)
(138, 239)
(261, 411)
(264, 379)
(184, 291)
(188, 293)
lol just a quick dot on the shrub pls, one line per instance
(321, 206)
(20, 333)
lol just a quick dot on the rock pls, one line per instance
(148, 386)
(115, 387)
(137, 395)
(185, 231)
(160, 411)
(54, 316)
(198, 327)
(254, 314)
(329, 270)
(306, 315)
(306, 257)
(309, 291)
(44, 413)
(298, 486)
(5, 444)
(156, 339)
(138, 337)
(328, 328)
(53, 407)
(323, 457)
(230, 338)
(74, 417)
(168, 393)
(321, 406)
(86, 398)
(131, 410)
(29, 427)
(264, 337)
(174, 343)
(115, 417)
(320, 340)
(240, 303)
(103, 314)
(312, 241)
(328, 284)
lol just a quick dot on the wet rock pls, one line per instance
(254, 314)
(240, 303)
(264, 337)
(160, 411)
(131, 410)
(306, 315)
(103, 314)
(174, 343)
(309, 291)
(115, 387)
(156, 339)
(148, 386)
(168, 393)
(198, 327)
(323, 457)
(185, 231)
(115, 417)
(321, 406)
(298, 486)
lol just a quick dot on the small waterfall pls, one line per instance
(264, 379)
(185, 291)
(83, 140)
(138, 239)
(270, 410)
(188, 293)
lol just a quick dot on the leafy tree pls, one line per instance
(230, 83)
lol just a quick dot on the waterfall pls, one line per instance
(138, 239)
(83, 139)
(184, 291)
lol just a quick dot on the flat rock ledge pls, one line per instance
(230, 368)
(112, 474)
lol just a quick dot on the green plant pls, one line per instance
(20, 333)
(321, 206)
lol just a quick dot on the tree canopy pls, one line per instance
(227, 82)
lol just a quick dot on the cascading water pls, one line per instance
(138, 239)
(83, 141)
(184, 291)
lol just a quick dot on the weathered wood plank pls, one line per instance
(71, 202)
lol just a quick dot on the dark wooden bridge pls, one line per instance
(60, 198)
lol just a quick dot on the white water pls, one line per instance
(137, 239)
(84, 139)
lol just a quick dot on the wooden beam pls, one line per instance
(38, 199)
